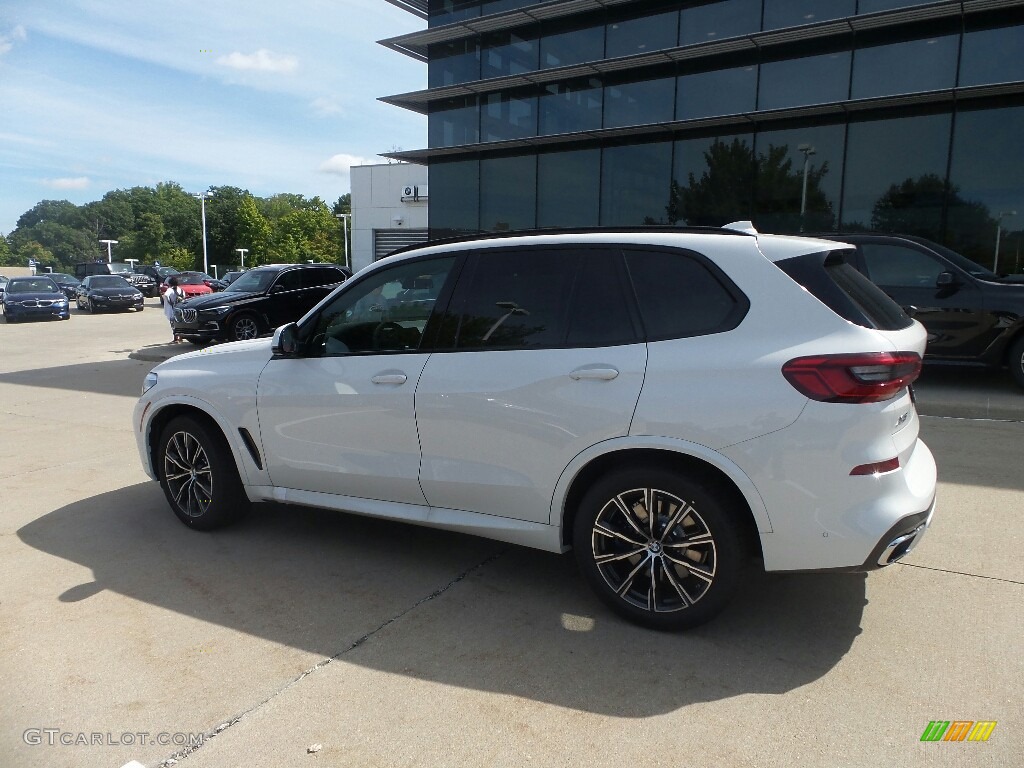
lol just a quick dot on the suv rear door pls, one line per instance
(538, 358)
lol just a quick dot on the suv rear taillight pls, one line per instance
(859, 378)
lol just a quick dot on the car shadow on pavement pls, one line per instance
(447, 608)
(112, 377)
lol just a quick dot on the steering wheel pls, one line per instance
(384, 328)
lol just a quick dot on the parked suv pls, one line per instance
(971, 314)
(258, 301)
(667, 403)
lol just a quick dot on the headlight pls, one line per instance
(149, 382)
(97, 298)
(218, 310)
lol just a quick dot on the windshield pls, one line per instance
(108, 281)
(190, 280)
(62, 277)
(33, 285)
(120, 268)
(166, 271)
(973, 268)
(256, 281)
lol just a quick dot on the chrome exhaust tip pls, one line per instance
(901, 546)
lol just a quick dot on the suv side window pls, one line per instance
(317, 276)
(516, 299)
(386, 312)
(895, 265)
(289, 281)
(680, 296)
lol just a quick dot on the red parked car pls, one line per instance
(190, 284)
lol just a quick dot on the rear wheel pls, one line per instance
(1016, 360)
(198, 475)
(657, 547)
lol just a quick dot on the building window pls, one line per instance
(992, 56)
(508, 193)
(503, 116)
(896, 175)
(874, 6)
(441, 12)
(718, 92)
(718, 21)
(453, 63)
(455, 197)
(643, 35)
(573, 46)
(712, 181)
(639, 103)
(908, 66)
(508, 53)
(570, 107)
(635, 183)
(568, 188)
(454, 122)
(799, 82)
(792, 13)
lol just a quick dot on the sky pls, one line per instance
(271, 97)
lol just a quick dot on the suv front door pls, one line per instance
(339, 419)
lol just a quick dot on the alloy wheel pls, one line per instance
(245, 328)
(654, 550)
(188, 474)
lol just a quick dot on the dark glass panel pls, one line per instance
(568, 186)
(635, 184)
(895, 175)
(571, 46)
(497, 6)
(874, 6)
(678, 296)
(811, 80)
(507, 117)
(642, 35)
(508, 193)
(713, 181)
(517, 300)
(792, 13)
(454, 198)
(780, 179)
(453, 63)
(717, 21)
(987, 177)
(454, 122)
(992, 56)
(441, 12)
(508, 53)
(571, 107)
(898, 266)
(647, 101)
(908, 66)
(599, 313)
(719, 92)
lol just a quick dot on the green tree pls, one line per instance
(33, 250)
(222, 222)
(6, 256)
(254, 232)
(180, 258)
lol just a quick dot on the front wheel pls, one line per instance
(243, 327)
(198, 475)
(657, 547)
(1016, 360)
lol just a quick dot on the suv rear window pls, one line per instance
(839, 286)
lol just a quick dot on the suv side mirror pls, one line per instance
(946, 280)
(286, 341)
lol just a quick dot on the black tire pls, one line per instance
(640, 573)
(244, 326)
(91, 307)
(1016, 360)
(198, 475)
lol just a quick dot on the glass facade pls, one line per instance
(909, 125)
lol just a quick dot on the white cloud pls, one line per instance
(78, 182)
(7, 41)
(340, 164)
(261, 61)
(326, 106)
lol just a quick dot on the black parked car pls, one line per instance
(230, 277)
(109, 293)
(31, 297)
(67, 283)
(971, 314)
(257, 302)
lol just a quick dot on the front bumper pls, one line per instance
(19, 312)
(117, 305)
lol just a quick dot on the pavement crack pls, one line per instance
(222, 727)
(961, 573)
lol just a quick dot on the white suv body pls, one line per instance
(663, 402)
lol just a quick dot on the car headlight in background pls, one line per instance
(149, 382)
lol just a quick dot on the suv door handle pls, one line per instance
(604, 374)
(389, 378)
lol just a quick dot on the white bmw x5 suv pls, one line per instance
(667, 404)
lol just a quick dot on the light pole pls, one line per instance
(999, 231)
(203, 196)
(214, 268)
(131, 263)
(241, 253)
(344, 223)
(808, 150)
(109, 243)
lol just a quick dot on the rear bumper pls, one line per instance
(899, 540)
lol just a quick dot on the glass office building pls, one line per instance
(800, 115)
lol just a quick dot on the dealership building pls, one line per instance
(801, 115)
